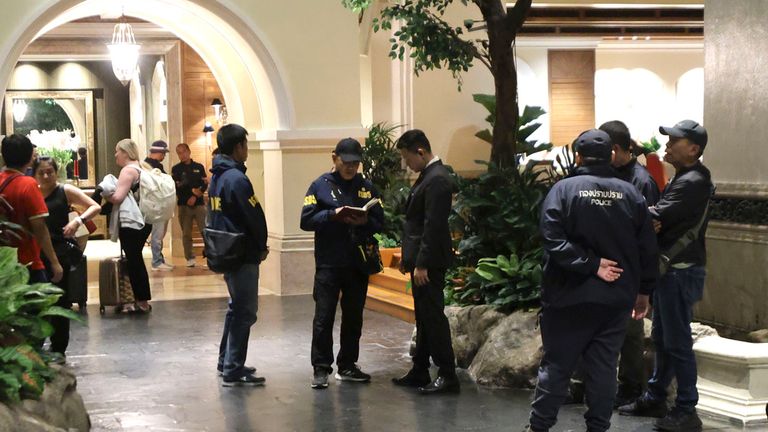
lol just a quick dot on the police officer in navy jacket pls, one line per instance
(600, 265)
(336, 271)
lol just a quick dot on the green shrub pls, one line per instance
(24, 310)
(383, 167)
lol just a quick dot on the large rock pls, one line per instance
(511, 353)
(469, 330)
(60, 408)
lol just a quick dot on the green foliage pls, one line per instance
(527, 124)
(23, 326)
(650, 146)
(386, 242)
(507, 282)
(43, 114)
(433, 43)
(383, 167)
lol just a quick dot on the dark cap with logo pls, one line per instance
(687, 129)
(595, 144)
(349, 150)
(159, 146)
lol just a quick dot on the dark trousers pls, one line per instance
(673, 301)
(594, 333)
(353, 287)
(60, 336)
(132, 243)
(242, 309)
(631, 365)
(433, 334)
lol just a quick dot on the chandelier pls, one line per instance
(124, 52)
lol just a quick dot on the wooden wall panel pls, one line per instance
(199, 88)
(571, 94)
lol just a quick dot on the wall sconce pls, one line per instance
(19, 110)
(219, 110)
(207, 128)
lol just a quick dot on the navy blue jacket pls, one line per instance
(636, 174)
(334, 241)
(233, 206)
(589, 216)
(680, 208)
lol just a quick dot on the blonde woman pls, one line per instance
(132, 240)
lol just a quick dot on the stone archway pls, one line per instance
(248, 75)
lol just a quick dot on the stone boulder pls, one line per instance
(60, 408)
(511, 353)
(469, 330)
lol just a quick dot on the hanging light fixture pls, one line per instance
(124, 52)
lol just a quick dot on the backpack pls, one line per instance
(9, 232)
(157, 196)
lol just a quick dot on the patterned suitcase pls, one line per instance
(114, 285)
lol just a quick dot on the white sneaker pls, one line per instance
(162, 267)
(191, 262)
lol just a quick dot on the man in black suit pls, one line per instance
(427, 253)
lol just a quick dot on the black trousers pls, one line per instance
(433, 334)
(132, 243)
(593, 332)
(632, 377)
(353, 287)
(60, 337)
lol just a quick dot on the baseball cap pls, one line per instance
(594, 143)
(687, 129)
(349, 150)
(159, 146)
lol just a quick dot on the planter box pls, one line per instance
(733, 380)
(387, 254)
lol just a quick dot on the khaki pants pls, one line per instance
(186, 215)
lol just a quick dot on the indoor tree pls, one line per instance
(435, 44)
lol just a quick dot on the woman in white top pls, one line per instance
(132, 240)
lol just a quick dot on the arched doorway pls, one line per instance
(248, 75)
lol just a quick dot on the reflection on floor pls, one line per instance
(157, 372)
(180, 283)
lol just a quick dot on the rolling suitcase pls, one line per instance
(77, 283)
(114, 285)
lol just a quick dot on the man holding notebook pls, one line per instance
(338, 208)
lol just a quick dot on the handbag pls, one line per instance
(367, 256)
(224, 250)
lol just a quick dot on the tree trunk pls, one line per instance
(505, 129)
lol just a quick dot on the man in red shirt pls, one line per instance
(29, 209)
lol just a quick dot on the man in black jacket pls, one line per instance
(234, 208)
(336, 240)
(427, 253)
(679, 214)
(631, 366)
(600, 265)
(191, 183)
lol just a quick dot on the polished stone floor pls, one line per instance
(157, 373)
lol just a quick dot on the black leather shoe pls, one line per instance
(441, 385)
(679, 421)
(644, 407)
(413, 379)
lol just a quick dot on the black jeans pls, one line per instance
(593, 332)
(60, 336)
(353, 286)
(433, 334)
(132, 242)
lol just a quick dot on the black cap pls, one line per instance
(687, 129)
(595, 144)
(349, 150)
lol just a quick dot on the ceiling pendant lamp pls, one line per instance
(124, 52)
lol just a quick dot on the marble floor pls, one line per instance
(156, 372)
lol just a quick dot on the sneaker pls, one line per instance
(162, 267)
(320, 378)
(352, 374)
(679, 420)
(644, 406)
(191, 262)
(247, 369)
(249, 380)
